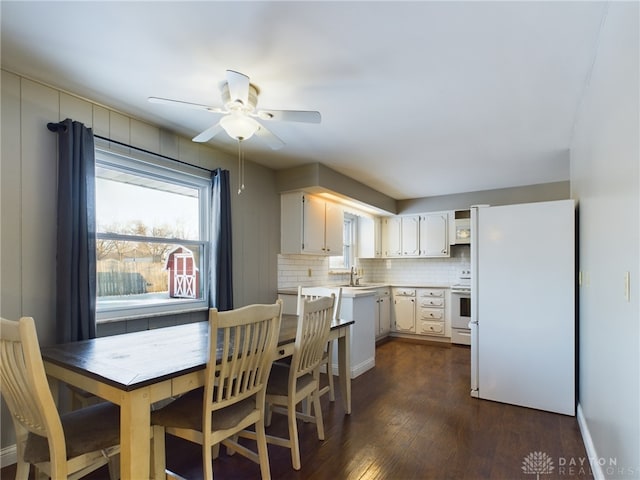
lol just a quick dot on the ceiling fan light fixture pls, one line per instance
(238, 126)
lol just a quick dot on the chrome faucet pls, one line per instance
(354, 280)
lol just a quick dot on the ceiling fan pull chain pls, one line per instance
(240, 166)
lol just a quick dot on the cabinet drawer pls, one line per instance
(431, 302)
(431, 292)
(431, 313)
(430, 328)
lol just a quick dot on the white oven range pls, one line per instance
(461, 310)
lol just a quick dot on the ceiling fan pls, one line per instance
(240, 98)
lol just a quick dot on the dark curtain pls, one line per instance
(221, 295)
(76, 247)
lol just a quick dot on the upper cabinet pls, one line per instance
(310, 224)
(434, 235)
(369, 237)
(425, 235)
(392, 237)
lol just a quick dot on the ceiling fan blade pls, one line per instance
(238, 86)
(269, 138)
(208, 134)
(179, 103)
(290, 115)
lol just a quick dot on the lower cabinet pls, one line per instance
(404, 310)
(383, 313)
(420, 311)
(431, 312)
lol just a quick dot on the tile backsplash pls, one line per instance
(309, 270)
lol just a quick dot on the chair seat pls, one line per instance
(186, 412)
(278, 383)
(87, 430)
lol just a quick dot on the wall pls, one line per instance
(316, 178)
(28, 213)
(293, 270)
(605, 181)
(501, 196)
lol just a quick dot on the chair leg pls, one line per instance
(263, 453)
(22, 470)
(293, 434)
(114, 467)
(158, 453)
(332, 395)
(318, 414)
(207, 459)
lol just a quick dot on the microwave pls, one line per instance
(462, 232)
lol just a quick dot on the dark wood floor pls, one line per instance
(412, 418)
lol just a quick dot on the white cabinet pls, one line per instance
(434, 235)
(420, 311)
(383, 312)
(431, 313)
(369, 237)
(310, 224)
(401, 236)
(410, 236)
(392, 236)
(425, 235)
(404, 310)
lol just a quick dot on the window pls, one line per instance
(152, 241)
(347, 260)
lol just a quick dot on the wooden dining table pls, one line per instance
(134, 370)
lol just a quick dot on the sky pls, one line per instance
(122, 203)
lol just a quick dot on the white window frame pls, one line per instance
(348, 245)
(150, 166)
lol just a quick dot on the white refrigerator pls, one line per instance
(523, 305)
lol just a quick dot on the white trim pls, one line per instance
(8, 456)
(359, 369)
(596, 468)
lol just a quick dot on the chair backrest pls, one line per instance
(242, 346)
(25, 388)
(312, 335)
(312, 293)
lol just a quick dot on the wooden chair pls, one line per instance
(62, 446)
(233, 397)
(311, 293)
(289, 384)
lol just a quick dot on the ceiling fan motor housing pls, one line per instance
(236, 103)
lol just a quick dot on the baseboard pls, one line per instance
(8, 456)
(362, 367)
(596, 468)
(356, 370)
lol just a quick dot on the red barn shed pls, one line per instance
(184, 276)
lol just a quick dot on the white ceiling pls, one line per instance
(417, 98)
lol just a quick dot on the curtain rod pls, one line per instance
(55, 127)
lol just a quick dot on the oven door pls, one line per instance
(460, 310)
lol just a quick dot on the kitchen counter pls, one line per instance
(348, 292)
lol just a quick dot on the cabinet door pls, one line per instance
(313, 225)
(433, 235)
(369, 237)
(410, 236)
(391, 235)
(384, 308)
(334, 229)
(404, 309)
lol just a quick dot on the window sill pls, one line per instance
(126, 317)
